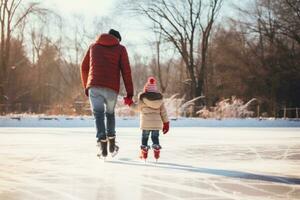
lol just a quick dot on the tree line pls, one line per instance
(197, 53)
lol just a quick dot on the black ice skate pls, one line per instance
(103, 148)
(113, 148)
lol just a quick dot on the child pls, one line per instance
(153, 116)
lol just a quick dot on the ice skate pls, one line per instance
(144, 152)
(156, 150)
(102, 144)
(113, 148)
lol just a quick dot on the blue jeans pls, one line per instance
(154, 137)
(103, 102)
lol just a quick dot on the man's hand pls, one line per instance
(128, 100)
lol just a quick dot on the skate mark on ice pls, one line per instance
(176, 189)
(162, 193)
(234, 174)
(218, 172)
(221, 193)
(286, 153)
(253, 150)
(255, 187)
(45, 187)
(290, 193)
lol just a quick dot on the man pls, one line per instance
(101, 67)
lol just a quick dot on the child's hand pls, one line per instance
(166, 127)
(128, 101)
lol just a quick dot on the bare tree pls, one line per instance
(271, 30)
(187, 24)
(12, 14)
(287, 13)
(161, 69)
(37, 39)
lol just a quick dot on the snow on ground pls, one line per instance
(196, 163)
(87, 121)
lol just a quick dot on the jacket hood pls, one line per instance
(106, 39)
(152, 99)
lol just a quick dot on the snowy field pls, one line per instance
(196, 163)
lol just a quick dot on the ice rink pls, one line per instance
(195, 163)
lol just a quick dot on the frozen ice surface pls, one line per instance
(195, 163)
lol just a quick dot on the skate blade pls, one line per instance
(101, 157)
(144, 160)
(113, 154)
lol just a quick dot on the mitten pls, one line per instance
(128, 100)
(166, 127)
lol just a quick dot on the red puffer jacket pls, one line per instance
(103, 63)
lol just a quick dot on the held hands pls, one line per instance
(86, 92)
(166, 127)
(128, 100)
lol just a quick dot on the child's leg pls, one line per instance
(155, 138)
(145, 137)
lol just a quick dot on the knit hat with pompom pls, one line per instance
(150, 86)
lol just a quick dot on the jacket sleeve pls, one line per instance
(85, 67)
(163, 113)
(126, 72)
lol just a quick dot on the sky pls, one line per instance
(130, 29)
(135, 32)
(85, 7)
(101, 7)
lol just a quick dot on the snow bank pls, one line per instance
(87, 121)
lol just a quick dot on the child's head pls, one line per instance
(151, 86)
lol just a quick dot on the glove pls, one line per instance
(128, 100)
(166, 127)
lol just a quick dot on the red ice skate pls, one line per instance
(156, 150)
(144, 152)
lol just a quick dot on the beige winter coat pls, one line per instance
(152, 111)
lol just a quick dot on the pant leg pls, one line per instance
(145, 137)
(155, 137)
(110, 102)
(110, 124)
(97, 106)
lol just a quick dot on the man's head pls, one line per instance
(115, 33)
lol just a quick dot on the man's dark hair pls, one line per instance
(115, 33)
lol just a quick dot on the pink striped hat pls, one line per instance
(150, 86)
